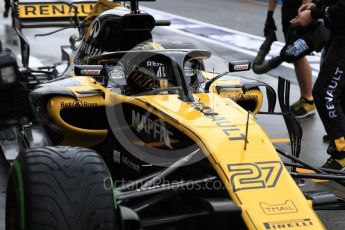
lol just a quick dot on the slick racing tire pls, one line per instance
(61, 188)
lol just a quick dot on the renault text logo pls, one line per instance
(53, 10)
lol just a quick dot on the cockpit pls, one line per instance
(151, 72)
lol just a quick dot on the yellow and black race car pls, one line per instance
(140, 136)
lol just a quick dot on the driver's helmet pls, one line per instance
(149, 75)
(155, 72)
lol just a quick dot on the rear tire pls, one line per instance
(60, 188)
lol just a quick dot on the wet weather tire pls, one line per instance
(60, 188)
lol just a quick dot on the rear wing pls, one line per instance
(45, 13)
(56, 13)
(37, 14)
(52, 13)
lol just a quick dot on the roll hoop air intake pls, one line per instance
(313, 39)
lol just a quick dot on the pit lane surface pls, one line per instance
(238, 15)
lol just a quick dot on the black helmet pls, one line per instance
(149, 75)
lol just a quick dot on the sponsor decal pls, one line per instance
(228, 127)
(89, 49)
(91, 72)
(301, 223)
(153, 128)
(153, 64)
(77, 104)
(130, 164)
(117, 156)
(241, 67)
(259, 175)
(161, 70)
(332, 87)
(278, 209)
(120, 158)
(96, 27)
(298, 47)
(53, 10)
(117, 73)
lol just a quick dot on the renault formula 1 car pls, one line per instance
(137, 135)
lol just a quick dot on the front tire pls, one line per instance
(60, 188)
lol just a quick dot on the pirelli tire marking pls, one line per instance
(288, 224)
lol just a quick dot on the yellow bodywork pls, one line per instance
(253, 173)
(253, 98)
(237, 147)
(76, 136)
(254, 177)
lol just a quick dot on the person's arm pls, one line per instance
(335, 14)
(306, 1)
(7, 8)
(272, 5)
(7, 4)
(270, 24)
